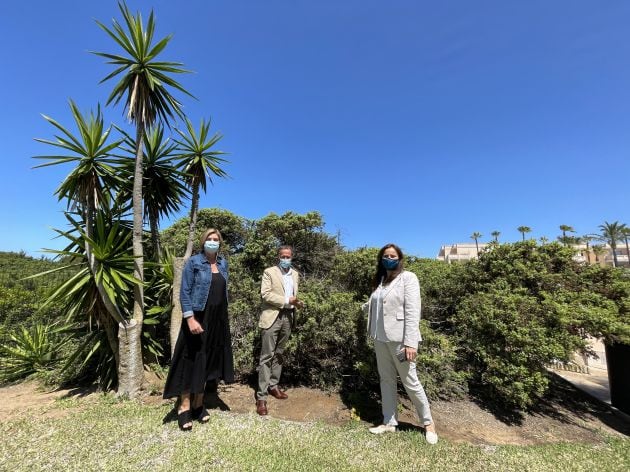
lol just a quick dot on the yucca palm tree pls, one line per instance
(495, 234)
(611, 233)
(199, 162)
(88, 187)
(163, 188)
(476, 235)
(79, 295)
(523, 230)
(144, 85)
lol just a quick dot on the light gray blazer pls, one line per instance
(401, 310)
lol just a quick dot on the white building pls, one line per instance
(459, 252)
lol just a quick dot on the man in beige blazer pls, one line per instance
(279, 290)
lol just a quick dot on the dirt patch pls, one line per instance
(28, 398)
(565, 415)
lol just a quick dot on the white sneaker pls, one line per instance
(431, 437)
(383, 428)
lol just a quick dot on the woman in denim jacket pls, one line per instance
(203, 351)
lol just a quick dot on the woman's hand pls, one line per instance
(194, 325)
(410, 353)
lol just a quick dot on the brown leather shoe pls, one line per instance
(275, 392)
(261, 407)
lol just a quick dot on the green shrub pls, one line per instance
(438, 365)
(31, 350)
(525, 306)
(329, 337)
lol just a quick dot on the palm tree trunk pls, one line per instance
(155, 236)
(130, 366)
(627, 251)
(194, 204)
(613, 246)
(176, 313)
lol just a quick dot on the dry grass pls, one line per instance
(109, 435)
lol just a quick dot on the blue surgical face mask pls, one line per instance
(285, 263)
(211, 246)
(389, 264)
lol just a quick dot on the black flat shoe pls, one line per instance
(201, 414)
(184, 420)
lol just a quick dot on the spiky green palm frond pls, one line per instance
(94, 178)
(196, 157)
(145, 82)
(162, 188)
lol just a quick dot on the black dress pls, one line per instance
(199, 358)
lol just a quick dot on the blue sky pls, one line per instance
(403, 121)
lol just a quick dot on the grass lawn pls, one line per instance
(111, 435)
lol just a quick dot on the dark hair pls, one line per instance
(381, 272)
(285, 246)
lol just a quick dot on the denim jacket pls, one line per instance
(196, 280)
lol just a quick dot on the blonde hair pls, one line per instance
(207, 233)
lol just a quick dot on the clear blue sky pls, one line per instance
(408, 121)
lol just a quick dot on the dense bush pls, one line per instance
(524, 306)
(490, 326)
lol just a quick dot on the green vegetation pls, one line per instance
(245, 442)
(21, 297)
(31, 351)
(491, 325)
(524, 306)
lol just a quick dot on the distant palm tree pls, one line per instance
(523, 230)
(476, 235)
(495, 234)
(144, 86)
(544, 240)
(566, 229)
(611, 233)
(198, 161)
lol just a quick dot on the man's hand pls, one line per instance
(296, 302)
(194, 325)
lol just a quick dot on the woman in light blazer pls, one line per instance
(393, 322)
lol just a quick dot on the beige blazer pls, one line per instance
(273, 296)
(401, 310)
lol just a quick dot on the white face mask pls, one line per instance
(211, 247)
